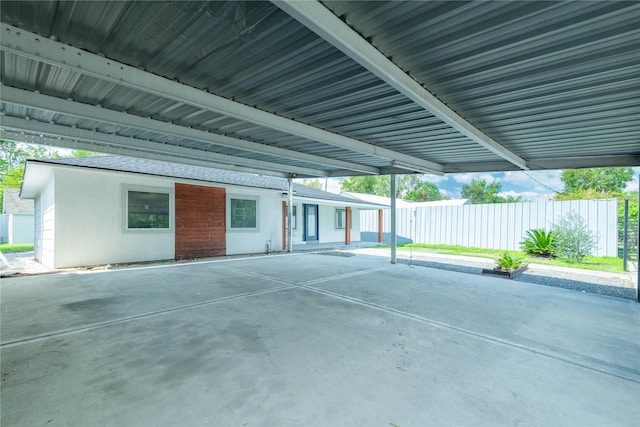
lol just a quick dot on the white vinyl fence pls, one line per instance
(494, 226)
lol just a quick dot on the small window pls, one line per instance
(147, 210)
(341, 219)
(294, 217)
(244, 213)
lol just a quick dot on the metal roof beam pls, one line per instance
(116, 144)
(549, 163)
(319, 19)
(39, 101)
(29, 138)
(30, 45)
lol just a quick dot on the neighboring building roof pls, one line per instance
(198, 173)
(400, 203)
(13, 204)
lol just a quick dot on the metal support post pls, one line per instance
(625, 236)
(290, 215)
(393, 218)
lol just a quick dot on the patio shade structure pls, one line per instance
(297, 89)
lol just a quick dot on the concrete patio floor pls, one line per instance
(311, 339)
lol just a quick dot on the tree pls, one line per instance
(371, 184)
(594, 183)
(13, 157)
(380, 185)
(313, 183)
(479, 191)
(82, 153)
(425, 192)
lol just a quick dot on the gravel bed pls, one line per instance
(614, 285)
(613, 290)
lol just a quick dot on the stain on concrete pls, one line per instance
(90, 304)
(36, 367)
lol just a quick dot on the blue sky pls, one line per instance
(530, 185)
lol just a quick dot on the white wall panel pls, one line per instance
(498, 226)
(20, 228)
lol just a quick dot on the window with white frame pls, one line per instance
(243, 213)
(294, 217)
(341, 219)
(148, 210)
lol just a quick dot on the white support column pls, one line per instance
(290, 215)
(393, 218)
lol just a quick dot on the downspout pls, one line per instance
(290, 215)
(393, 218)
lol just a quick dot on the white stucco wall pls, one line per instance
(269, 223)
(44, 224)
(20, 228)
(296, 233)
(90, 219)
(327, 233)
(86, 209)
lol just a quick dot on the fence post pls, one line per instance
(625, 236)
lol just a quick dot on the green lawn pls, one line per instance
(15, 247)
(611, 264)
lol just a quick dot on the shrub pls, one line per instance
(574, 240)
(508, 262)
(540, 242)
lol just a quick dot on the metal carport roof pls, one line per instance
(328, 88)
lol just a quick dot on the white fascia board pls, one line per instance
(29, 45)
(34, 178)
(316, 17)
(115, 144)
(39, 101)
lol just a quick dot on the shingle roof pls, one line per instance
(198, 173)
(13, 204)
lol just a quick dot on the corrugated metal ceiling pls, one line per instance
(546, 80)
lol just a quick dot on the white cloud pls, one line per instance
(633, 185)
(435, 179)
(466, 178)
(333, 185)
(538, 181)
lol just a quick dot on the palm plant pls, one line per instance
(540, 242)
(508, 262)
